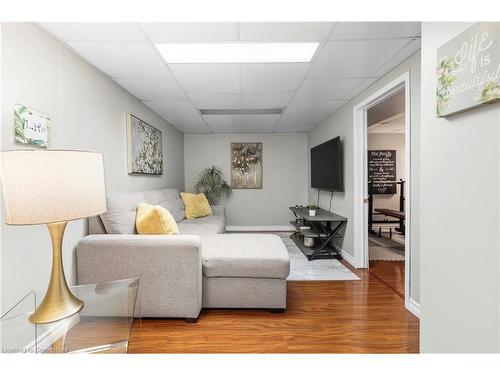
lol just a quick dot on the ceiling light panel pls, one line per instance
(180, 53)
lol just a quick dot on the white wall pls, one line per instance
(460, 222)
(341, 124)
(384, 141)
(285, 171)
(87, 110)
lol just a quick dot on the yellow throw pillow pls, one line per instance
(154, 220)
(196, 205)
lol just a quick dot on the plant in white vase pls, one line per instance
(312, 209)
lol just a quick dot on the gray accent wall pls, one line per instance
(341, 124)
(284, 180)
(460, 217)
(88, 111)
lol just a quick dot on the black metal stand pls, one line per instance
(401, 223)
(324, 228)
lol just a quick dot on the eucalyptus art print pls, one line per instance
(31, 127)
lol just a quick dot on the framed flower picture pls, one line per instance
(246, 165)
(144, 143)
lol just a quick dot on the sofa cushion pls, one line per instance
(244, 255)
(203, 225)
(168, 199)
(121, 213)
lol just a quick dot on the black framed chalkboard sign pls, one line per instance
(382, 167)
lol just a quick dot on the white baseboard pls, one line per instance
(349, 258)
(413, 307)
(259, 228)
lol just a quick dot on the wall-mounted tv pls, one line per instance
(327, 166)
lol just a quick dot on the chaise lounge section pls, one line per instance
(180, 274)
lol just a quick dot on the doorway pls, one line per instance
(362, 234)
(386, 155)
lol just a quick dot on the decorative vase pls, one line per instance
(308, 241)
(312, 212)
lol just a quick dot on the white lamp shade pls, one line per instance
(47, 186)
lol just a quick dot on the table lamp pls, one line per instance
(52, 187)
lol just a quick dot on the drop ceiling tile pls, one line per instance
(191, 32)
(361, 88)
(260, 123)
(301, 114)
(232, 101)
(287, 125)
(208, 78)
(216, 101)
(95, 31)
(123, 60)
(284, 31)
(225, 124)
(327, 89)
(412, 47)
(267, 99)
(153, 89)
(347, 59)
(376, 30)
(236, 124)
(180, 114)
(275, 77)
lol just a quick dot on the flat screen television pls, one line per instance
(327, 166)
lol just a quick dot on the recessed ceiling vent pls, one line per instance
(242, 111)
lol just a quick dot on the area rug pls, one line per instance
(320, 269)
(382, 248)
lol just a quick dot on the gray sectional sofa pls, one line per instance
(202, 267)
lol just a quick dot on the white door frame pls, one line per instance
(360, 149)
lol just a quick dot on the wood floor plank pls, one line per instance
(365, 316)
(390, 272)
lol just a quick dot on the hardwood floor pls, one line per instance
(391, 273)
(365, 316)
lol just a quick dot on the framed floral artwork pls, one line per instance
(144, 143)
(246, 165)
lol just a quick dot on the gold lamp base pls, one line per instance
(58, 302)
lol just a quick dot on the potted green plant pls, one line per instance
(312, 209)
(211, 182)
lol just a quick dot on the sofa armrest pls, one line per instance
(169, 268)
(219, 210)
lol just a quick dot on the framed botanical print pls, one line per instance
(31, 127)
